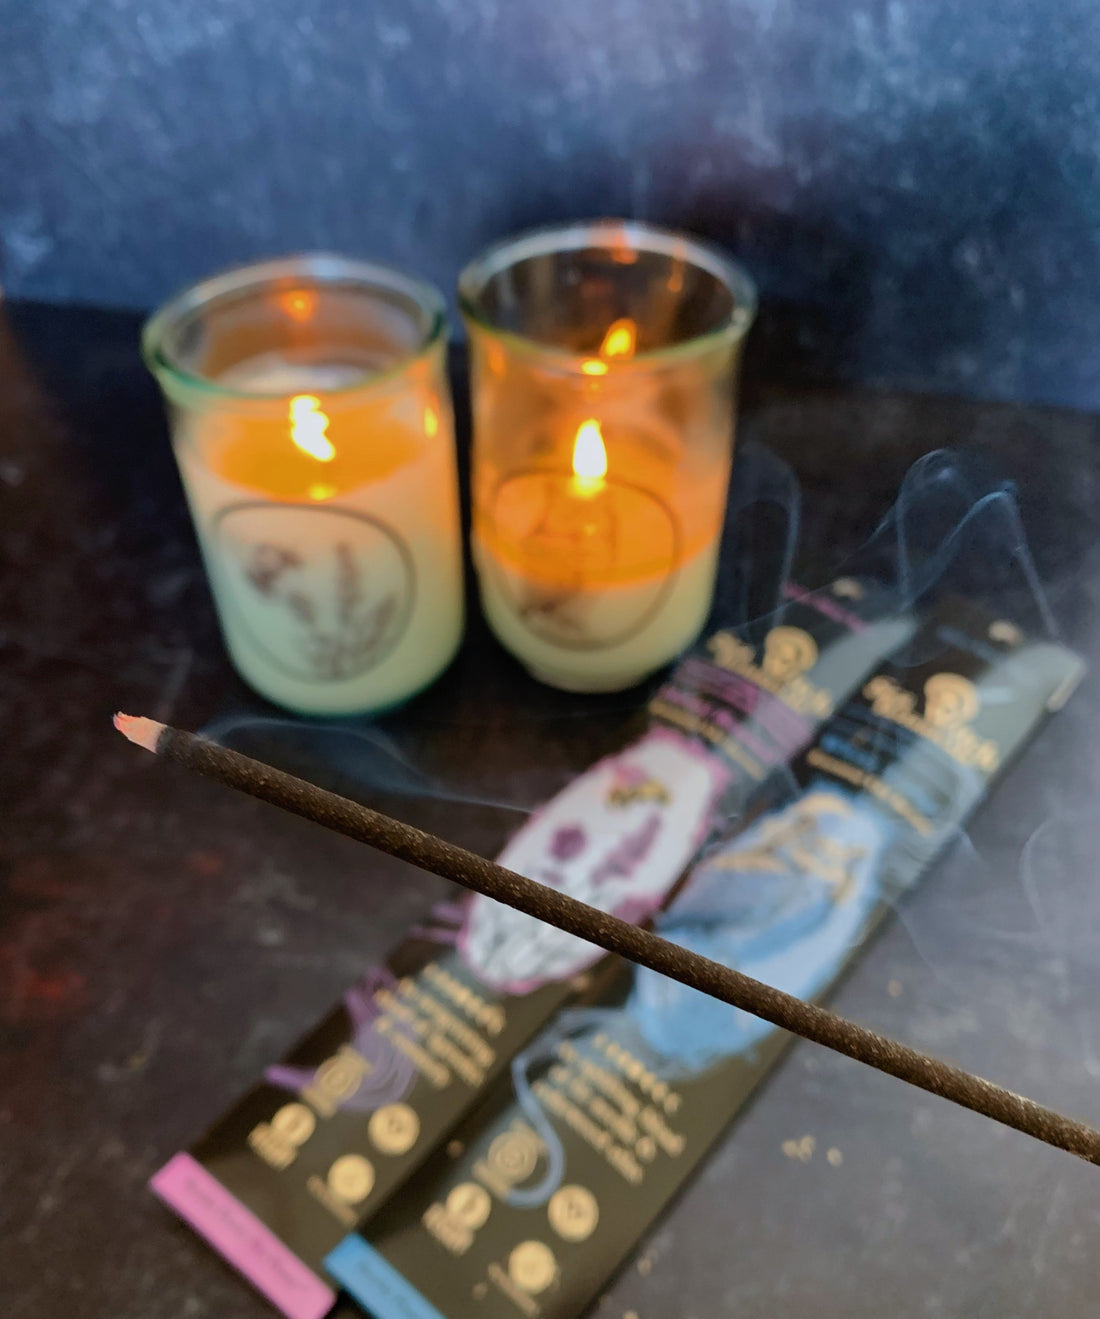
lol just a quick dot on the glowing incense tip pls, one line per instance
(139, 730)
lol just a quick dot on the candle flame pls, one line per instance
(308, 425)
(589, 458)
(620, 339)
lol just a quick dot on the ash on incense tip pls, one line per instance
(139, 730)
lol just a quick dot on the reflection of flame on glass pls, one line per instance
(299, 304)
(619, 342)
(620, 339)
(308, 425)
(589, 459)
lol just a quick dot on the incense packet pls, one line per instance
(543, 1191)
(336, 1127)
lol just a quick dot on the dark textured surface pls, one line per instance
(918, 181)
(162, 939)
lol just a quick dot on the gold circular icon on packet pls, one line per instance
(295, 1123)
(573, 1212)
(515, 1155)
(532, 1266)
(469, 1204)
(394, 1128)
(1005, 632)
(351, 1177)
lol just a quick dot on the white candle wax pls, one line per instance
(329, 527)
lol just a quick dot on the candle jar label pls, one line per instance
(325, 594)
(562, 561)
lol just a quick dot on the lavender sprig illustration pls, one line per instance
(362, 626)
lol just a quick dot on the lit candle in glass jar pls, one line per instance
(312, 429)
(602, 444)
(598, 562)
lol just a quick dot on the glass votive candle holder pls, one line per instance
(312, 425)
(604, 360)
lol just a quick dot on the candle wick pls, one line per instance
(587, 486)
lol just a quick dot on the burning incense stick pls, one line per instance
(609, 932)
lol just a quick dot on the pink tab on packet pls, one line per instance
(240, 1238)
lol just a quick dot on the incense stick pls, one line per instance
(642, 946)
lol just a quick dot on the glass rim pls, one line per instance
(316, 268)
(640, 235)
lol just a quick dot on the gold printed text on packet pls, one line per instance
(787, 654)
(950, 703)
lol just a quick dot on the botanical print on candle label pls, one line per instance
(583, 569)
(324, 593)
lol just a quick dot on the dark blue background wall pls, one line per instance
(915, 183)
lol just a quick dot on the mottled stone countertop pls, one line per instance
(162, 938)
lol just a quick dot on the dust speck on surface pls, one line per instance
(835, 1157)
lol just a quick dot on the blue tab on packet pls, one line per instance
(375, 1284)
